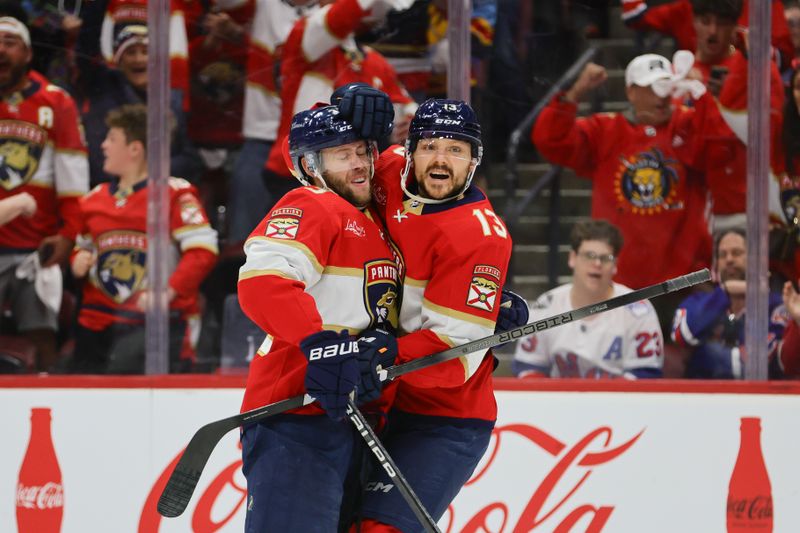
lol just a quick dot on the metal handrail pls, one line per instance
(513, 209)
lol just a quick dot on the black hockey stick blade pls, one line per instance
(183, 480)
(387, 463)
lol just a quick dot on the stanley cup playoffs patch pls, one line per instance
(484, 287)
(284, 223)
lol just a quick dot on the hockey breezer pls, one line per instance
(184, 478)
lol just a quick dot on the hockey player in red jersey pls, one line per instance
(319, 271)
(42, 153)
(112, 251)
(456, 252)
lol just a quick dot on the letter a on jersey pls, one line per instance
(484, 287)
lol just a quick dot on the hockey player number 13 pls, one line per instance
(495, 224)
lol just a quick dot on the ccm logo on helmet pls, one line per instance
(343, 348)
(447, 121)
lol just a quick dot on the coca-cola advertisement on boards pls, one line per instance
(558, 462)
(749, 492)
(40, 493)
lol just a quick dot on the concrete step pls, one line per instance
(573, 202)
(529, 173)
(616, 53)
(531, 287)
(531, 259)
(533, 229)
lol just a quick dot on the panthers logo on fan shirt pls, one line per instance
(648, 183)
(484, 287)
(21, 147)
(284, 224)
(381, 295)
(121, 264)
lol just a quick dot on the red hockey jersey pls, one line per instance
(456, 257)
(42, 152)
(639, 183)
(320, 55)
(315, 262)
(115, 229)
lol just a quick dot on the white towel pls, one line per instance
(47, 281)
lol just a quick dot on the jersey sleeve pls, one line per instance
(665, 18)
(71, 162)
(564, 139)
(286, 253)
(459, 304)
(327, 27)
(644, 348)
(195, 237)
(696, 315)
(532, 354)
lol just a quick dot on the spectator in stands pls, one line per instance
(712, 28)
(113, 253)
(269, 23)
(624, 342)
(42, 154)
(792, 13)
(637, 161)
(101, 88)
(321, 54)
(712, 323)
(785, 191)
(790, 344)
(54, 30)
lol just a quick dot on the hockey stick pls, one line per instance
(388, 464)
(184, 478)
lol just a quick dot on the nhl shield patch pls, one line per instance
(284, 223)
(484, 287)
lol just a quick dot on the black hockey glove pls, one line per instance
(376, 351)
(332, 372)
(513, 312)
(368, 109)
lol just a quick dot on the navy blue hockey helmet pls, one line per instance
(314, 130)
(443, 119)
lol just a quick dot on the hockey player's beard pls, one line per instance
(359, 198)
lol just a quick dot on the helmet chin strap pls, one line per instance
(432, 201)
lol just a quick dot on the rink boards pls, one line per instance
(566, 456)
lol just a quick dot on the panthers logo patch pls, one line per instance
(648, 183)
(284, 224)
(21, 147)
(484, 287)
(221, 82)
(121, 264)
(381, 295)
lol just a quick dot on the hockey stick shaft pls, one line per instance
(387, 463)
(184, 478)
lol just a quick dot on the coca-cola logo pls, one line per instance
(756, 508)
(45, 496)
(547, 508)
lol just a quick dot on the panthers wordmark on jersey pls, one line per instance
(43, 153)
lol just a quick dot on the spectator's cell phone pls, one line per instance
(45, 253)
(718, 72)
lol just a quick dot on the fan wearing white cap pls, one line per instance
(15, 55)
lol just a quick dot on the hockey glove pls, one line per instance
(376, 351)
(513, 312)
(368, 109)
(332, 372)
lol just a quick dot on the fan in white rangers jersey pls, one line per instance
(626, 342)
